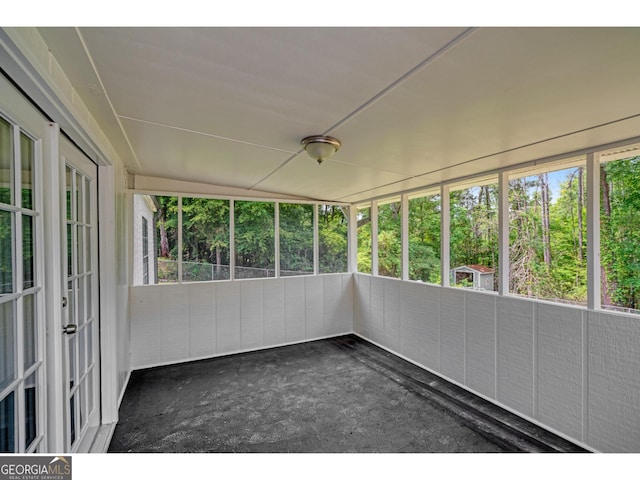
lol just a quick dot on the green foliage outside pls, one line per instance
(296, 239)
(206, 239)
(547, 234)
(333, 232)
(620, 235)
(474, 227)
(364, 239)
(424, 239)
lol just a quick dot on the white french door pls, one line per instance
(22, 318)
(80, 302)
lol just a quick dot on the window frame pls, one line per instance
(232, 231)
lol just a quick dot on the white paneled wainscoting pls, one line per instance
(573, 371)
(182, 322)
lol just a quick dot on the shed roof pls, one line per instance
(477, 268)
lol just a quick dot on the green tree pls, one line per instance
(620, 236)
(332, 238)
(424, 238)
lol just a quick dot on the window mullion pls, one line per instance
(316, 241)
(503, 233)
(593, 232)
(374, 238)
(404, 236)
(232, 240)
(276, 237)
(445, 235)
(179, 239)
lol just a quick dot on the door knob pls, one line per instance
(70, 329)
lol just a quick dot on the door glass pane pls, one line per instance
(81, 314)
(72, 418)
(7, 342)
(82, 400)
(77, 197)
(90, 391)
(81, 352)
(80, 250)
(6, 163)
(69, 187)
(72, 362)
(71, 306)
(89, 328)
(30, 331)
(26, 158)
(6, 252)
(87, 201)
(7, 424)
(27, 252)
(87, 242)
(88, 298)
(30, 409)
(69, 250)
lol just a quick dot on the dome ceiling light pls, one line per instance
(321, 147)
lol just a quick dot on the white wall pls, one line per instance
(573, 371)
(141, 209)
(182, 322)
(123, 210)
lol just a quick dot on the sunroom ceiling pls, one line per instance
(412, 106)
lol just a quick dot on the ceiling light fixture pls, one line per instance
(321, 147)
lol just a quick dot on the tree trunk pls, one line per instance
(546, 243)
(605, 270)
(164, 240)
(605, 194)
(580, 204)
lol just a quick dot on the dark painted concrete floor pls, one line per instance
(336, 395)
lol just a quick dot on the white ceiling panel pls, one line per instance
(170, 153)
(328, 181)
(270, 86)
(412, 106)
(500, 89)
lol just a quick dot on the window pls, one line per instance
(145, 251)
(254, 239)
(474, 234)
(296, 239)
(424, 238)
(167, 239)
(364, 239)
(333, 234)
(205, 240)
(619, 233)
(21, 371)
(390, 238)
(547, 232)
(192, 241)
